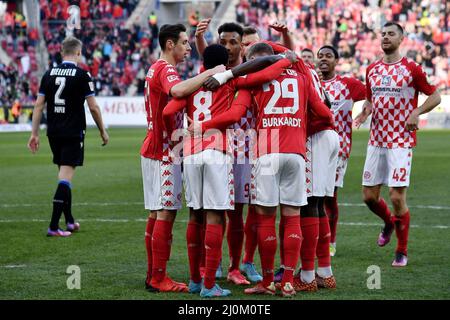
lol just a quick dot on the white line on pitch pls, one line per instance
(106, 204)
(362, 224)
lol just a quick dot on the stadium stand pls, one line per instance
(352, 25)
(118, 56)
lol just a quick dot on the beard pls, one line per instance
(390, 49)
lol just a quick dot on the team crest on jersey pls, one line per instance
(150, 73)
(386, 80)
(336, 86)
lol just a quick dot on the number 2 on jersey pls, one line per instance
(288, 88)
(61, 82)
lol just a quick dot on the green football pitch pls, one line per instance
(110, 253)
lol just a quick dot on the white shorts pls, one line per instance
(340, 171)
(162, 184)
(279, 178)
(391, 167)
(208, 180)
(242, 177)
(321, 162)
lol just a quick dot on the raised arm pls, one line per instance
(200, 41)
(97, 116)
(285, 36)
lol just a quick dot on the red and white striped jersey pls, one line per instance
(160, 79)
(393, 90)
(343, 92)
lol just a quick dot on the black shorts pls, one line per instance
(67, 151)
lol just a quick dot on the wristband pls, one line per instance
(223, 77)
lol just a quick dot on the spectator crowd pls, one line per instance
(353, 27)
(118, 57)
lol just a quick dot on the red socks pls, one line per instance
(213, 249)
(235, 238)
(292, 241)
(402, 230)
(381, 209)
(251, 236)
(161, 243)
(310, 232)
(203, 253)
(323, 245)
(148, 244)
(194, 243)
(267, 246)
(331, 206)
(281, 235)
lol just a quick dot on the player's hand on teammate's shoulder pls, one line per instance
(33, 143)
(105, 137)
(211, 84)
(291, 56)
(412, 123)
(218, 69)
(202, 27)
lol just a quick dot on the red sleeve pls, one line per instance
(357, 89)
(277, 48)
(420, 80)
(168, 77)
(317, 107)
(263, 76)
(301, 67)
(242, 100)
(174, 106)
(368, 88)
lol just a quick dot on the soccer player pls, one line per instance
(322, 146)
(393, 84)
(279, 172)
(230, 36)
(161, 177)
(307, 55)
(64, 90)
(343, 92)
(208, 164)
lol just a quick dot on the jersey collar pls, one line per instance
(70, 62)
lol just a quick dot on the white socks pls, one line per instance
(307, 276)
(324, 272)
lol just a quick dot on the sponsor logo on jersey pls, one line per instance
(386, 80)
(172, 78)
